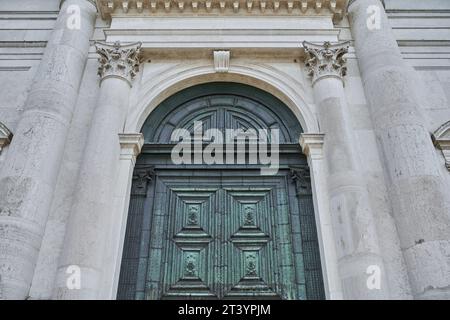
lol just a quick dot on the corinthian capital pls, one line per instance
(120, 61)
(5, 136)
(326, 60)
(90, 1)
(350, 2)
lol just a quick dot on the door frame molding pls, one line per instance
(312, 146)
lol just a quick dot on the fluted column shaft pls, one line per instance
(89, 219)
(30, 170)
(352, 218)
(418, 193)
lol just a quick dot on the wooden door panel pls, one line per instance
(191, 243)
(220, 231)
(220, 241)
(216, 236)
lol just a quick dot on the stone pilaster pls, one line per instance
(351, 215)
(312, 146)
(131, 146)
(89, 221)
(32, 163)
(421, 203)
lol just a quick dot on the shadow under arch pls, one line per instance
(189, 105)
(153, 92)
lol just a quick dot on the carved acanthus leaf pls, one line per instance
(118, 60)
(93, 2)
(326, 60)
(350, 2)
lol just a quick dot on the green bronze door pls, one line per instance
(222, 231)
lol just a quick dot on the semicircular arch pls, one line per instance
(221, 105)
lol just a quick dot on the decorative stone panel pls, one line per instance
(221, 61)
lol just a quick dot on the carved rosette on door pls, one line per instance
(250, 240)
(192, 242)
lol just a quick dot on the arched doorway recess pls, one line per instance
(220, 231)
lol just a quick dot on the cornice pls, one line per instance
(107, 8)
(131, 143)
(312, 144)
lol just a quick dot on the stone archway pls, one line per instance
(220, 231)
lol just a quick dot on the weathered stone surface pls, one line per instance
(28, 178)
(419, 195)
(354, 227)
(52, 243)
(89, 222)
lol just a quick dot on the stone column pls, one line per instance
(32, 164)
(420, 201)
(352, 218)
(87, 228)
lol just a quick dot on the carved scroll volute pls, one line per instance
(300, 176)
(5, 136)
(141, 180)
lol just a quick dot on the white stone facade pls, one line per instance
(373, 98)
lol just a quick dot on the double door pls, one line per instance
(220, 234)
